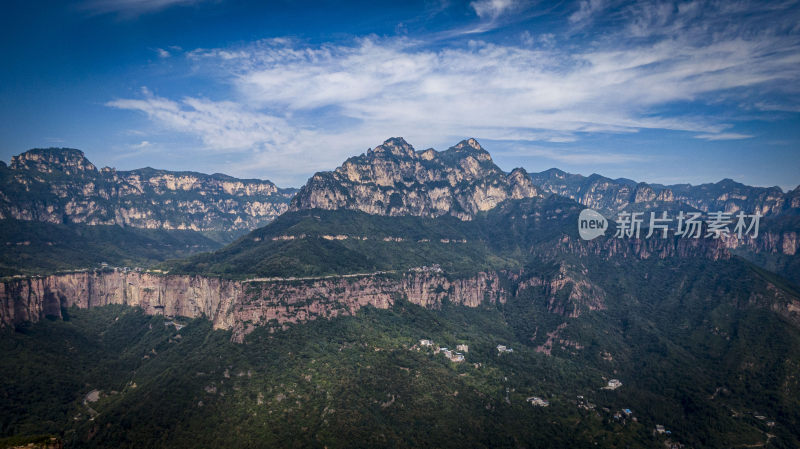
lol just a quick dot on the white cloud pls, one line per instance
(132, 7)
(774, 106)
(724, 136)
(221, 125)
(491, 9)
(587, 9)
(545, 40)
(162, 53)
(572, 156)
(289, 99)
(492, 14)
(500, 88)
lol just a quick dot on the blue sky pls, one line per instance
(656, 91)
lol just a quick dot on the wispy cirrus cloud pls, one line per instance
(492, 14)
(491, 9)
(287, 96)
(500, 88)
(587, 9)
(724, 136)
(221, 125)
(576, 156)
(132, 8)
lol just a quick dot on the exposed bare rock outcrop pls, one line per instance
(613, 195)
(237, 305)
(642, 248)
(777, 242)
(566, 293)
(191, 296)
(393, 179)
(59, 185)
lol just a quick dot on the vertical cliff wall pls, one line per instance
(236, 305)
(191, 296)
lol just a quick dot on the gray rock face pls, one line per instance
(394, 179)
(236, 305)
(242, 306)
(614, 195)
(60, 185)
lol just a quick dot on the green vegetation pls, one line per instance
(786, 265)
(350, 382)
(694, 351)
(310, 254)
(459, 247)
(30, 247)
(37, 441)
(707, 348)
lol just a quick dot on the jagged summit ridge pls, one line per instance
(394, 179)
(60, 185)
(613, 195)
(48, 160)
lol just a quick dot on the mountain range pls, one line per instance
(615, 195)
(394, 179)
(315, 329)
(59, 185)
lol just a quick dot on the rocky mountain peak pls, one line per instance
(393, 179)
(611, 196)
(468, 148)
(395, 146)
(431, 154)
(469, 143)
(554, 173)
(518, 172)
(48, 160)
(59, 185)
